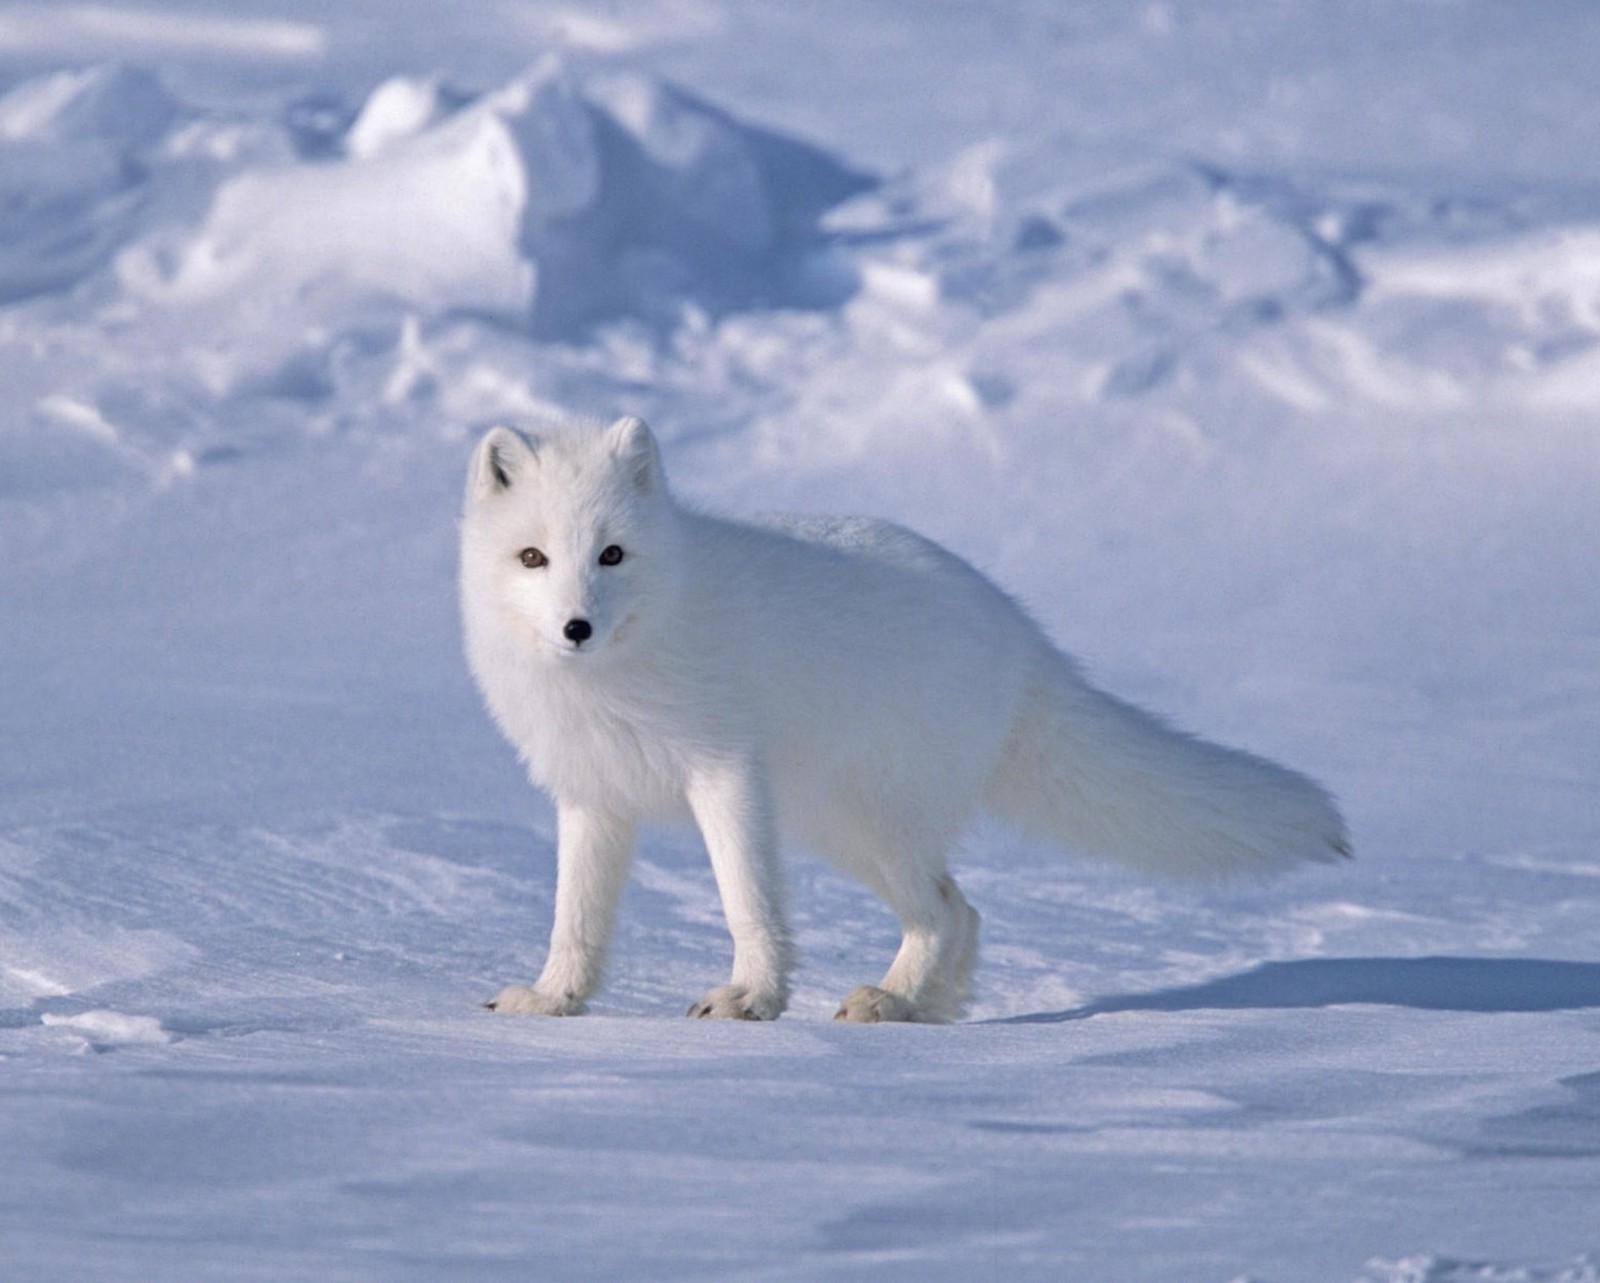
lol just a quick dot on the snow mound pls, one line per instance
(1107, 277)
(1534, 296)
(72, 150)
(1551, 275)
(399, 108)
(547, 205)
(102, 1029)
(114, 105)
(434, 224)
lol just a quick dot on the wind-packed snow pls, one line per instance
(1255, 347)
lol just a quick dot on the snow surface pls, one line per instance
(1255, 346)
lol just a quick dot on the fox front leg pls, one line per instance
(593, 851)
(733, 808)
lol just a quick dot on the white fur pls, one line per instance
(845, 683)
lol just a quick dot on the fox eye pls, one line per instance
(611, 555)
(532, 558)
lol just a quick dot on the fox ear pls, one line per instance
(634, 446)
(501, 457)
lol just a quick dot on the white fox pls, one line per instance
(843, 682)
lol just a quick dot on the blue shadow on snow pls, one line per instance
(1428, 984)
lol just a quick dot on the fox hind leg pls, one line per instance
(929, 979)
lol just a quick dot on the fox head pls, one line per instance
(567, 537)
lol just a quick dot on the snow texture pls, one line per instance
(1255, 347)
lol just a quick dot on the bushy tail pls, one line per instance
(1087, 772)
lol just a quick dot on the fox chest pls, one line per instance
(583, 745)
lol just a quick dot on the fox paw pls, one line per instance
(871, 1005)
(735, 1002)
(530, 1000)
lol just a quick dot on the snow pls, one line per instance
(101, 1029)
(1256, 347)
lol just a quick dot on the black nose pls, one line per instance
(578, 631)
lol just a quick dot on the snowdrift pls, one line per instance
(546, 205)
(73, 149)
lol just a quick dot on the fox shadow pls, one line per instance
(1427, 984)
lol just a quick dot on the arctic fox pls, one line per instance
(845, 683)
